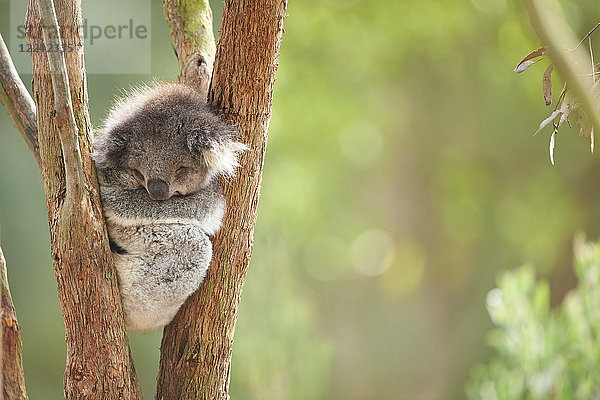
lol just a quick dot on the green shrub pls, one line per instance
(543, 353)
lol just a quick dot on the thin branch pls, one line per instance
(65, 119)
(19, 104)
(592, 60)
(13, 379)
(556, 34)
(587, 36)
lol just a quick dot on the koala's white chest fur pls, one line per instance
(162, 266)
(158, 158)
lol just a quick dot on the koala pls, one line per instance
(158, 157)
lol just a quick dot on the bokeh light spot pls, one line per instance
(372, 252)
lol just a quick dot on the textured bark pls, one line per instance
(98, 358)
(11, 359)
(197, 345)
(193, 40)
(19, 104)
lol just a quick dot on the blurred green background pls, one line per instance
(401, 177)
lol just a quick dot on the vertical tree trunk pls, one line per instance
(11, 361)
(197, 345)
(98, 358)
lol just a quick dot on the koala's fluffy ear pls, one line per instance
(220, 156)
(109, 148)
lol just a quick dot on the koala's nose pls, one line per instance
(158, 190)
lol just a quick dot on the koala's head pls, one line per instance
(167, 140)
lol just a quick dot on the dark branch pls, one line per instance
(587, 36)
(19, 104)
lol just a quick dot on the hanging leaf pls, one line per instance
(552, 146)
(548, 120)
(524, 66)
(525, 63)
(567, 104)
(547, 84)
(563, 117)
(536, 53)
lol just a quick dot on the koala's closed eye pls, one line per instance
(183, 170)
(137, 174)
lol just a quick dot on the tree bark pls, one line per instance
(11, 359)
(197, 345)
(193, 40)
(19, 104)
(98, 357)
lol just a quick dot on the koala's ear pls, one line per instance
(197, 140)
(109, 148)
(220, 156)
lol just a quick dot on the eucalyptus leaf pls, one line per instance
(547, 84)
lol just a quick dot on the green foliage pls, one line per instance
(543, 353)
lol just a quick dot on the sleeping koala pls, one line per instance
(158, 156)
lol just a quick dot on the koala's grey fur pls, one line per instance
(158, 156)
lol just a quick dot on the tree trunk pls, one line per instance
(98, 357)
(196, 347)
(11, 360)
